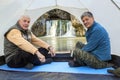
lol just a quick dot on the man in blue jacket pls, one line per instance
(97, 51)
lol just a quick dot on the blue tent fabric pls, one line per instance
(59, 67)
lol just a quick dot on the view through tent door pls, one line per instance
(60, 29)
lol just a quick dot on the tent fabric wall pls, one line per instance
(10, 11)
(104, 11)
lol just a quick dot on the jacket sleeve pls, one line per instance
(16, 38)
(93, 41)
(39, 42)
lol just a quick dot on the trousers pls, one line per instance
(86, 58)
(22, 58)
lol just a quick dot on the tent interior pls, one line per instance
(43, 13)
(106, 13)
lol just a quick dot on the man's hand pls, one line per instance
(40, 56)
(51, 51)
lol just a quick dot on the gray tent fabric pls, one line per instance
(11, 75)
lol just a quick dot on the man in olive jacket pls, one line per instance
(19, 46)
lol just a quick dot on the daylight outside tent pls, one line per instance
(60, 29)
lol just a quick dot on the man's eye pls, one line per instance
(26, 21)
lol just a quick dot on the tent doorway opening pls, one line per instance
(60, 29)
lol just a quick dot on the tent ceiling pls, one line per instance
(117, 2)
(46, 3)
(6, 2)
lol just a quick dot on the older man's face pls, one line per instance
(88, 21)
(24, 22)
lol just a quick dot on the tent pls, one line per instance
(105, 12)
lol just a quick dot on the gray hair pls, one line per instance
(26, 16)
(89, 14)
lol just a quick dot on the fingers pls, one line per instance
(52, 54)
(40, 56)
(52, 51)
(42, 59)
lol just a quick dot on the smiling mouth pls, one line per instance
(86, 24)
(25, 26)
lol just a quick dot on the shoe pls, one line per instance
(29, 66)
(116, 72)
(74, 64)
(2, 60)
(110, 71)
(48, 61)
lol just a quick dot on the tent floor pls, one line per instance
(17, 75)
(11, 75)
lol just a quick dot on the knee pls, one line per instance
(79, 45)
(77, 52)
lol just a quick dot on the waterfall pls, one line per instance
(55, 28)
(70, 30)
(48, 25)
(51, 28)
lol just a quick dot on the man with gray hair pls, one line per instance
(97, 51)
(19, 46)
